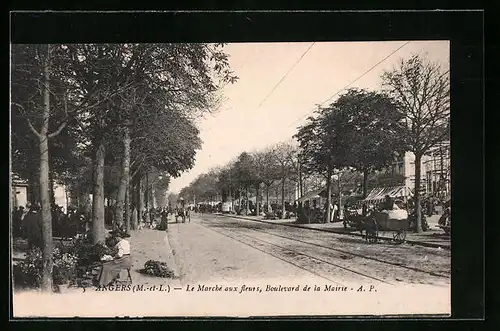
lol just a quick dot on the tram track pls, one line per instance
(295, 252)
(352, 254)
(328, 248)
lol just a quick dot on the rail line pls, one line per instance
(345, 252)
(411, 242)
(273, 255)
(353, 254)
(297, 253)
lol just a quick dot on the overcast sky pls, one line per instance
(242, 125)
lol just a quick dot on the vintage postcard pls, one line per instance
(231, 180)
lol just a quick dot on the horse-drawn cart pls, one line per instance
(383, 222)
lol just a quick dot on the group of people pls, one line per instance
(27, 222)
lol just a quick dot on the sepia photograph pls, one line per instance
(230, 179)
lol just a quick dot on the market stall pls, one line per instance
(378, 194)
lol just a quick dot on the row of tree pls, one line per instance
(362, 131)
(250, 173)
(97, 116)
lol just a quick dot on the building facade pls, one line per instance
(435, 170)
(19, 192)
(20, 195)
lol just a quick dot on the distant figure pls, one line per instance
(388, 203)
(134, 216)
(336, 211)
(164, 219)
(364, 209)
(33, 221)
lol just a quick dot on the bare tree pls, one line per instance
(38, 109)
(423, 92)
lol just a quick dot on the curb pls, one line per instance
(412, 242)
(171, 258)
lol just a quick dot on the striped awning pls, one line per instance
(379, 193)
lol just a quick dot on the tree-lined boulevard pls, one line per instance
(114, 123)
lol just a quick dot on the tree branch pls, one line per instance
(33, 129)
(59, 129)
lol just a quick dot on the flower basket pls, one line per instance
(157, 269)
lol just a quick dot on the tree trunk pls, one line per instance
(365, 183)
(301, 184)
(134, 218)
(340, 210)
(98, 228)
(328, 196)
(135, 202)
(147, 197)
(47, 261)
(154, 202)
(52, 190)
(140, 196)
(231, 199)
(257, 209)
(123, 187)
(126, 213)
(46, 216)
(247, 205)
(267, 198)
(283, 198)
(418, 165)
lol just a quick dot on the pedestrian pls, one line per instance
(164, 220)
(33, 221)
(335, 211)
(388, 203)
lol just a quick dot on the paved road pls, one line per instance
(205, 254)
(214, 248)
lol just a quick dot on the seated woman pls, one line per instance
(111, 269)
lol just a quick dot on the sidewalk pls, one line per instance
(147, 244)
(434, 237)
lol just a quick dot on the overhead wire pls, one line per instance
(286, 74)
(348, 85)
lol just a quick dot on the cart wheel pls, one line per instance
(373, 236)
(400, 236)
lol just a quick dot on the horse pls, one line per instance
(183, 213)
